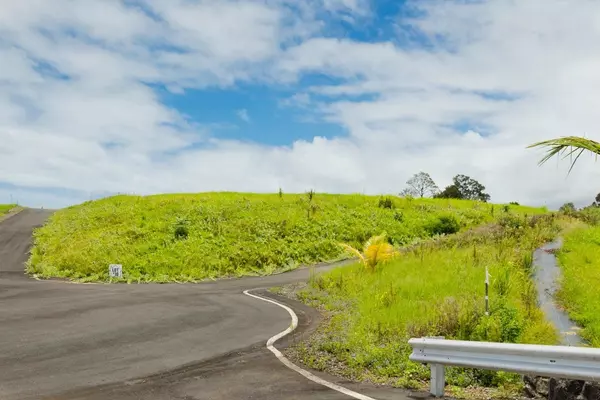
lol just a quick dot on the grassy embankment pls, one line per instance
(580, 286)
(191, 237)
(433, 290)
(5, 208)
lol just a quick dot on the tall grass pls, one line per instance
(580, 288)
(188, 237)
(433, 290)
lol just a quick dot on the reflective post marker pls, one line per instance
(487, 284)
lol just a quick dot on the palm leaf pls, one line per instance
(570, 145)
(351, 250)
(377, 250)
(375, 240)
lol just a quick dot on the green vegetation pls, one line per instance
(377, 251)
(435, 288)
(189, 237)
(5, 208)
(580, 288)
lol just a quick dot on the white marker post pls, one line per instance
(487, 284)
(115, 270)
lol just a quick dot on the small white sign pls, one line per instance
(115, 270)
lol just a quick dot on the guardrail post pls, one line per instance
(438, 380)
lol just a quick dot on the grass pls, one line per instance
(190, 237)
(435, 289)
(5, 208)
(580, 287)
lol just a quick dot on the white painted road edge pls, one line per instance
(292, 366)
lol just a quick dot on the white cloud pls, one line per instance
(76, 112)
(243, 115)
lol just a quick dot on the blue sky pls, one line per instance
(152, 96)
(255, 113)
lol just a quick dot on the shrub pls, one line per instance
(567, 208)
(502, 325)
(386, 202)
(181, 228)
(510, 221)
(398, 216)
(589, 215)
(443, 225)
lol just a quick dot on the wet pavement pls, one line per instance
(547, 280)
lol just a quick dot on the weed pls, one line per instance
(527, 263)
(388, 297)
(181, 230)
(502, 284)
(310, 195)
(386, 202)
(398, 216)
(529, 297)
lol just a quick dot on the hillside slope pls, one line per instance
(5, 208)
(189, 237)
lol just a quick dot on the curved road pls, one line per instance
(62, 340)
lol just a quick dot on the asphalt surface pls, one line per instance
(61, 340)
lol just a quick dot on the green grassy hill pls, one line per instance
(5, 208)
(189, 237)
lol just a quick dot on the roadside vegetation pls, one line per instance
(580, 287)
(190, 237)
(435, 288)
(5, 208)
(579, 258)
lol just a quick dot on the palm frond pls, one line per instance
(375, 240)
(351, 250)
(570, 145)
(377, 250)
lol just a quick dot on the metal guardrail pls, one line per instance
(579, 363)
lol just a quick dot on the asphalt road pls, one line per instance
(62, 340)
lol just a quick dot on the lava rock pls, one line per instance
(591, 391)
(560, 389)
